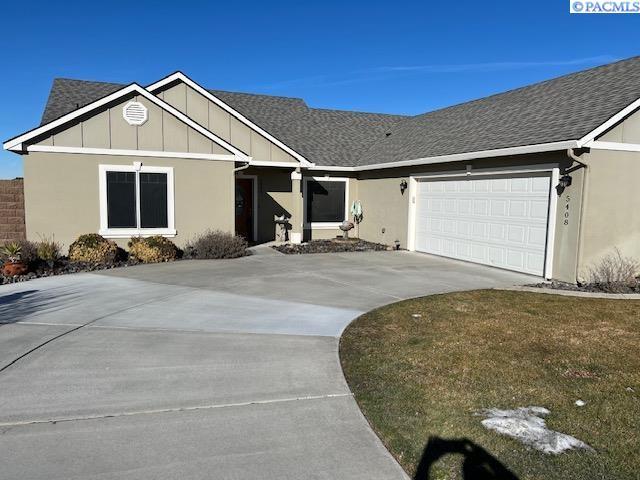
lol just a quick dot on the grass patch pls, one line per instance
(420, 380)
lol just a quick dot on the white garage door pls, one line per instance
(498, 221)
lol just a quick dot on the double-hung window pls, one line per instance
(136, 200)
(326, 201)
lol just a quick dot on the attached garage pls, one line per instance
(497, 220)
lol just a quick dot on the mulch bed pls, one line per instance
(331, 246)
(63, 267)
(589, 287)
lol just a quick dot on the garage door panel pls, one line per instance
(500, 221)
(539, 210)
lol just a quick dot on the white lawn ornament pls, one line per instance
(356, 213)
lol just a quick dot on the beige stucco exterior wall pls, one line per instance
(108, 129)
(62, 195)
(611, 214)
(220, 122)
(627, 131)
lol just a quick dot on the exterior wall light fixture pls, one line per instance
(403, 186)
(565, 181)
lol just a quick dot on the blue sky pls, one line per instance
(379, 56)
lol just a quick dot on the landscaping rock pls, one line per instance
(62, 267)
(330, 246)
(589, 287)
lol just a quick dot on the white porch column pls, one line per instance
(297, 210)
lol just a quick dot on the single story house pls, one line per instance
(542, 179)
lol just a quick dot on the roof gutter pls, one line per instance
(458, 157)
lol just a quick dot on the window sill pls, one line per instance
(135, 232)
(323, 225)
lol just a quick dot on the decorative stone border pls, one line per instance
(571, 293)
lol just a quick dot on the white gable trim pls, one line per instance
(204, 92)
(617, 146)
(618, 117)
(15, 144)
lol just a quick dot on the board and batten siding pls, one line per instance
(220, 122)
(108, 129)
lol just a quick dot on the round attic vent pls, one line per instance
(135, 113)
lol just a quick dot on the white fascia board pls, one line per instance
(204, 92)
(620, 147)
(628, 110)
(333, 169)
(267, 163)
(459, 157)
(131, 153)
(133, 88)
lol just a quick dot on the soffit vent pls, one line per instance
(135, 113)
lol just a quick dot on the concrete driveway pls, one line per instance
(201, 369)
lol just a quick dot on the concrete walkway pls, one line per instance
(201, 369)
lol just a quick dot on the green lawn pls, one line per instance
(420, 380)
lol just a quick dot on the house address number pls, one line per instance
(567, 210)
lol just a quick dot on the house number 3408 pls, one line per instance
(567, 209)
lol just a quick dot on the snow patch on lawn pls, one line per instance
(525, 424)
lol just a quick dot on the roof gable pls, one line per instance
(95, 106)
(180, 77)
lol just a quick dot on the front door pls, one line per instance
(244, 208)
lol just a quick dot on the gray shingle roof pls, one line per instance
(564, 108)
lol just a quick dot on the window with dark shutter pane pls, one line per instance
(153, 200)
(121, 199)
(325, 201)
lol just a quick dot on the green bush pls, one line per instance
(47, 249)
(93, 248)
(153, 249)
(214, 244)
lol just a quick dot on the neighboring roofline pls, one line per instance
(457, 157)
(203, 91)
(15, 144)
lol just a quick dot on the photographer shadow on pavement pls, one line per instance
(477, 463)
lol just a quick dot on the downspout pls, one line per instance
(243, 167)
(583, 206)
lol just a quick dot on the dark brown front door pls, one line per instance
(244, 208)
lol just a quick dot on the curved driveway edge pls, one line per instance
(203, 369)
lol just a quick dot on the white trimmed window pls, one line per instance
(326, 201)
(136, 200)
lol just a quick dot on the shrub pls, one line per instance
(47, 249)
(615, 273)
(93, 248)
(153, 249)
(216, 244)
(12, 252)
(28, 251)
